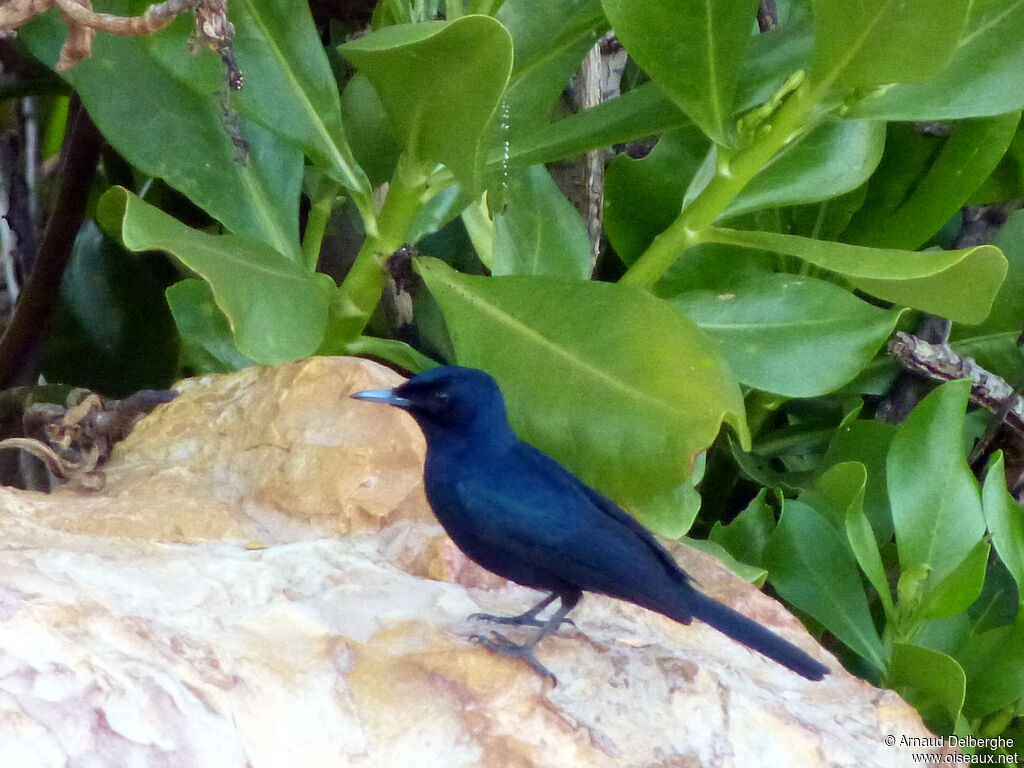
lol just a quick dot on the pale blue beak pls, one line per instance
(386, 396)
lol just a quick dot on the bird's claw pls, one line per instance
(501, 645)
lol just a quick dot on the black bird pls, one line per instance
(522, 515)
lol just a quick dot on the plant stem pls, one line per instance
(793, 117)
(360, 291)
(316, 223)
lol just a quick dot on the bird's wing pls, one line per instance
(539, 514)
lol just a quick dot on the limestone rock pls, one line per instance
(260, 583)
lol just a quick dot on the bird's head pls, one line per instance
(448, 398)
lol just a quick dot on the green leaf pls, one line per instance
(930, 680)
(985, 77)
(934, 192)
(1007, 315)
(693, 50)
(373, 140)
(277, 310)
(862, 541)
(960, 285)
(392, 351)
(111, 331)
(832, 159)
(994, 662)
(714, 267)
(749, 573)
(810, 566)
(867, 442)
(774, 55)
(289, 86)
(1005, 520)
(836, 491)
(440, 83)
(206, 344)
(537, 231)
(747, 536)
(643, 196)
(672, 514)
(791, 335)
(167, 130)
(549, 41)
(627, 411)
(959, 589)
(838, 494)
(936, 508)
(870, 42)
(638, 113)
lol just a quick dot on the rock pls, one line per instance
(260, 583)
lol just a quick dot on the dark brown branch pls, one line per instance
(23, 339)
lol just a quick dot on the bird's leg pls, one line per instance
(528, 619)
(501, 644)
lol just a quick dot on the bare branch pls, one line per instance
(939, 362)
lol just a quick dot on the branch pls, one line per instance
(939, 362)
(20, 344)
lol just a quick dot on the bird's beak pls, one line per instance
(386, 396)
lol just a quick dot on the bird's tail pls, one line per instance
(751, 634)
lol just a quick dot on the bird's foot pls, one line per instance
(502, 645)
(523, 620)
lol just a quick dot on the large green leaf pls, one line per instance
(714, 267)
(994, 662)
(936, 508)
(747, 536)
(955, 593)
(643, 196)
(838, 494)
(960, 285)
(776, 54)
(549, 41)
(810, 566)
(986, 76)
(369, 131)
(1005, 521)
(168, 130)
(440, 83)
(276, 309)
(791, 335)
(289, 86)
(111, 331)
(618, 385)
(867, 441)
(861, 537)
(832, 159)
(206, 341)
(907, 202)
(537, 231)
(1007, 314)
(869, 42)
(693, 49)
(638, 113)
(751, 573)
(930, 680)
